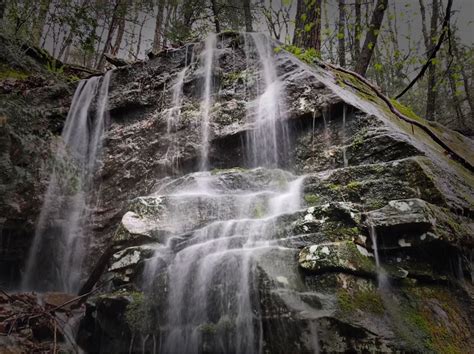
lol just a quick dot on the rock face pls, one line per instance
(33, 106)
(355, 184)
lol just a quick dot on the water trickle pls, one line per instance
(314, 129)
(174, 112)
(207, 59)
(61, 237)
(381, 273)
(344, 148)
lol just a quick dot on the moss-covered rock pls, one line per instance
(337, 256)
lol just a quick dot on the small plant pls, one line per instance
(309, 55)
(311, 199)
(54, 68)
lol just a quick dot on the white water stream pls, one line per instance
(61, 238)
(219, 226)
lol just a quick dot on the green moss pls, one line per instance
(366, 300)
(7, 72)
(442, 335)
(334, 187)
(356, 257)
(353, 186)
(344, 301)
(259, 211)
(406, 111)
(374, 204)
(311, 199)
(135, 314)
(208, 328)
(233, 76)
(216, 171)
(358, 141)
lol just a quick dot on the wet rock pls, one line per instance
(338, 256)
(411, 222)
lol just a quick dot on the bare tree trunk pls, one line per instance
(215, 13)
(308, 24)
(40, 20)
(3, 4)
(110, 34)
(371, 37)
(459, 54)
(431, 90)
(423, 24)
(140, 35)
(158, 27)
(328, 31)
(357, 30)
(67, 42)
(248, 16)
(120, 28)
(341, 34)
(454, 96)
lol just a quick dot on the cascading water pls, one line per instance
(174, 112)
(219, 227)
(269, 138)
(211, 278)
(61, 237)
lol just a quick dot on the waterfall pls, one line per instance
(268, 140)
(174, 112)
(219, 228)
(207, 59)
(61, 237)
(212, 278)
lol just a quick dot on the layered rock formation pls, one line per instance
(359, 237)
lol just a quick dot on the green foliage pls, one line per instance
(378, 67)
(73, 78)
(309, 55)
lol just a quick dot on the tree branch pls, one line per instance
(425, 67)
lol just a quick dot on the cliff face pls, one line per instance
(338, 225)
(33, 106)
